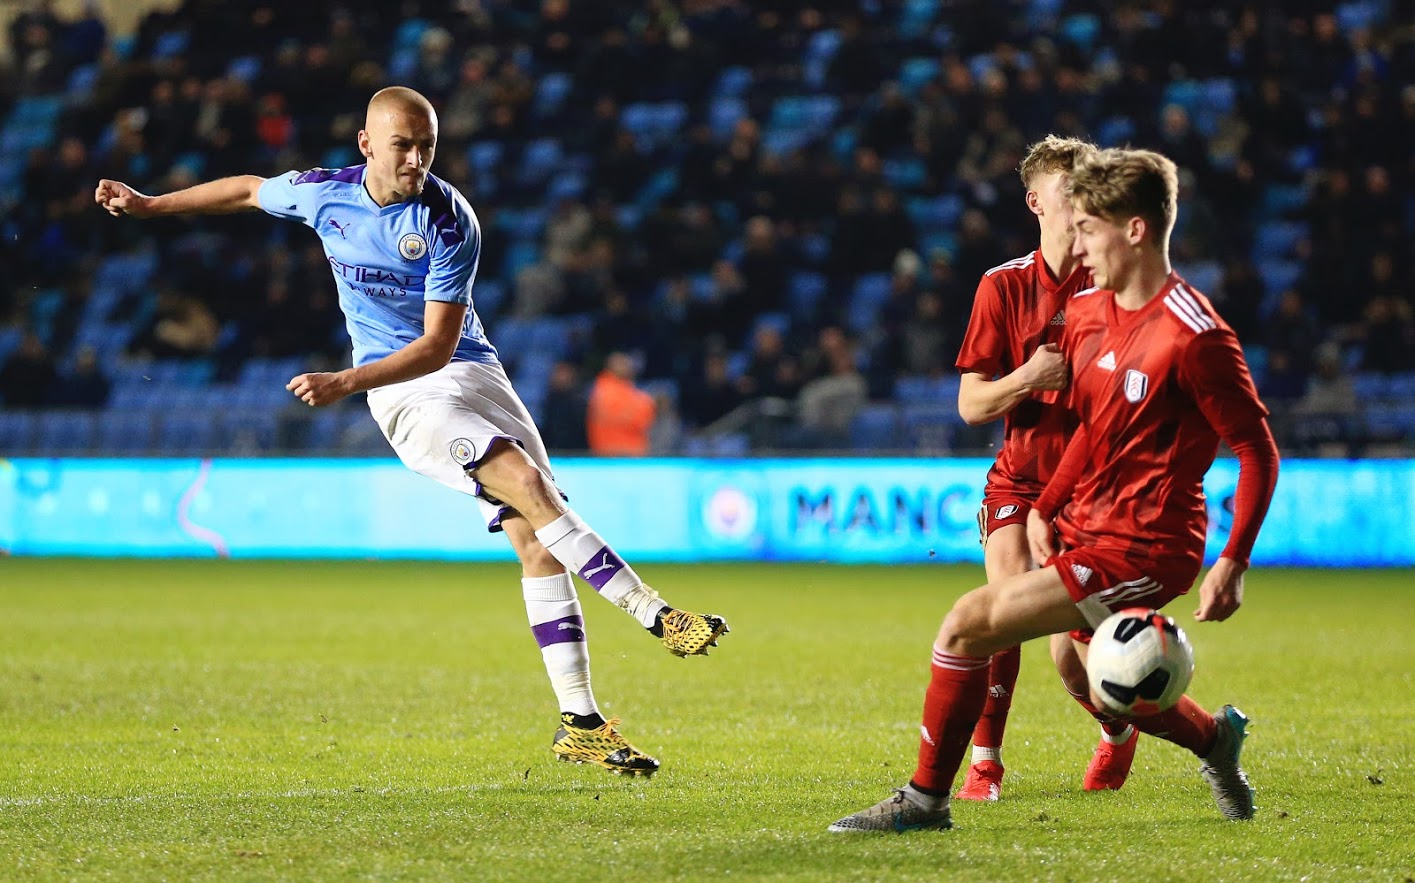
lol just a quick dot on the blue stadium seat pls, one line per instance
(733, 81)
(539, 160)
(17, 432)
(81, 82)
(870, 292)
(937, 211)
(1369, 386)
(484, 156)
(246, 431)
(566, 185)
(876, 427)
(1116, 131)
(245, 68)
(126, 431)
(1278, 276)
(723, 114)
(916, 390)
(914, 73)
(1277, 239)
(805, 292)
(64, 433)
(171, 44)
(551, 93)
(930, 428)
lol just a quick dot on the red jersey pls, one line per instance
(1154, 390)
(1019, 307)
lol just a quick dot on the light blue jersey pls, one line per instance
(388, 260)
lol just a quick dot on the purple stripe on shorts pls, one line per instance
(601, 568)
(565, 630)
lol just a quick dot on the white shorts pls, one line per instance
(443, 424)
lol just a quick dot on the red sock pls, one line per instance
(1112, 725)
(958, 687)
(1002, 680)
(1186, 725)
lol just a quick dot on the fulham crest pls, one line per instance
(412, 247)
(1136, 384)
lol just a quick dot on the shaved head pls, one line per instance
(398, 100)
(399, 139)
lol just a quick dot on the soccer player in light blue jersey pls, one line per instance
(403, 246)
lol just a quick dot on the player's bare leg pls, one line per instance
(508, 474)
(558, 625)
(1005, 554)
(982, 622)
(1110, 763)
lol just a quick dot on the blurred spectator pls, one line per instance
(84, 386)
(183, 327)
(565, 410)
(620, 414)
(28, 375)
(1388, 332)
(829, 403)
(710, 396)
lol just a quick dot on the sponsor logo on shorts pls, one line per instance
(1006, 511)
(412, 246)
(462, 451)
(1136, 384)
(1082, 573)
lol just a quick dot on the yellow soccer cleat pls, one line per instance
(690, 634)
(601, 745)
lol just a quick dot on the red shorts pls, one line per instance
(1103, 581)
(1000, 511)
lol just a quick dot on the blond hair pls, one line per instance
(1119, 184)
(1052, 154)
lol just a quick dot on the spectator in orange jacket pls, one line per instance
(620, 414)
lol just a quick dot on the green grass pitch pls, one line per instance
(380, 720)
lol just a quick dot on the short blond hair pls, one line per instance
(1118, 184)
(1052, 154)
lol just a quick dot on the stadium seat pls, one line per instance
(723, 114)
(733, 81)
(870, 292)
(64, 433)
(914, 73)
(17, 432)
(539, 160)
(875, 428)
(554, 88)
(805, 292)
(1277, 240)
(484, 155)
(930, 428)
(125, 431)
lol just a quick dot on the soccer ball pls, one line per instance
(1139, 663)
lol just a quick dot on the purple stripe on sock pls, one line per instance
(601, 568)
(565, 630)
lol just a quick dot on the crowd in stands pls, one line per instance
(759, 225)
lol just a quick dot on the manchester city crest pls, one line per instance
(462, 451)
(412, 246)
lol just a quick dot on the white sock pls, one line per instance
(559, 628)
(587, 555)
(1122, 738)
(981, 754)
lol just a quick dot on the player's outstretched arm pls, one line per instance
(442, 322)
(982, 400)
(220, 197)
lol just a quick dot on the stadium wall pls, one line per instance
(1325, 513)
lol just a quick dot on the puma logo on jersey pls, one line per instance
(1107, 361)
(1059, 318)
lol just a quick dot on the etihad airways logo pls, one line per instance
(376, 282)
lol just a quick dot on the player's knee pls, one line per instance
(536, 558)
(967, 625)
(1069, 666)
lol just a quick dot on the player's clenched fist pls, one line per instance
(1046, 369)
(320, 388)
(119, 199)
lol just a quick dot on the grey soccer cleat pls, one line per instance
(1220, 768)
(898, 813)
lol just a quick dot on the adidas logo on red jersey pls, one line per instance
(1107, 361)
(1059, 318)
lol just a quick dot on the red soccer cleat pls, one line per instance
(1110, 765)
(983, 782)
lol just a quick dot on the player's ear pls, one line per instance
(1034, 202)
(1135, 230)
(365, 144)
